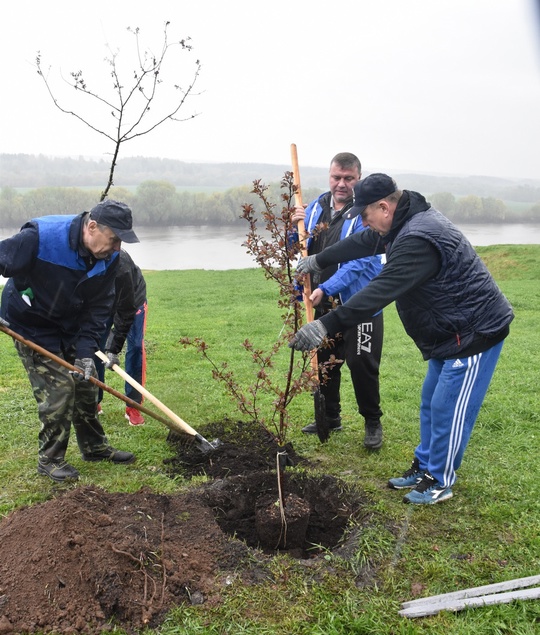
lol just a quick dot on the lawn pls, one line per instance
(488, 532)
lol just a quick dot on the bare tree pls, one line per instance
(138, 104)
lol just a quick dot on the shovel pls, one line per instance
(202, 444)
(62, 362)
(321, 422)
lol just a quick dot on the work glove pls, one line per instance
(88, 369)
(309, 336)
(109, 341)
(113, 359)
(308, 264)
(4, 323)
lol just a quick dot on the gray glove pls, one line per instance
(308, 264)
(113, 359)
(4, 323)
(88, 369)
(309, 336)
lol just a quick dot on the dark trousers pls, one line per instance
(135, 360)
(361, 348)
(62, 401)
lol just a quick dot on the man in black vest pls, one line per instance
(449, 305)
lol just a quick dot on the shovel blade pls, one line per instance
(321, 422)
(206, 446)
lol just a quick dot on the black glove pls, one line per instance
(113, 359)
(4, 323)
(88, 369)
(308, 264)
(309, 336)
(109, 341)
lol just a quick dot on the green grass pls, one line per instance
(489, 531)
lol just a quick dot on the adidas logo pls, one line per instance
(457, 364)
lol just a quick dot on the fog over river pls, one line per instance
(221, 248)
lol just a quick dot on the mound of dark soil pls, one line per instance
(240, 449)
(88, 559)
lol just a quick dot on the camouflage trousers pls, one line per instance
(62, 401)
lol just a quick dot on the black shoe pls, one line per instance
(110, 454)
(374, 436)
(57, 470)
(334, 425)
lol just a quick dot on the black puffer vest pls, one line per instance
(462, 305)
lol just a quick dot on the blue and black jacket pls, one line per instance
(343, 281)
(71, 293)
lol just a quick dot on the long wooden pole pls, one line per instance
(62, 362)
(146, 393)
(321, 422)
(302, 234)
(203, 444)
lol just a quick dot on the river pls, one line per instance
(221, 247)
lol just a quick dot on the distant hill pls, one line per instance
(34, 171)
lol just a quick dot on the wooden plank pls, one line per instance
(422, 610)
(507, 585)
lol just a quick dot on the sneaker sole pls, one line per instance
(134, 424)
(440, 499)
(392, 486)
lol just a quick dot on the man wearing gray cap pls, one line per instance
(60, 292)
(449, 305)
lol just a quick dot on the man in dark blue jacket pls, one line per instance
(60, 292)
(448, 303)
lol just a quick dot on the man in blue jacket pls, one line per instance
(60, 292)
(449, 305)
(360, 344)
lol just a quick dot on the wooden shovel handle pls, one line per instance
(62, 362)
(302, 234)
(186, 427)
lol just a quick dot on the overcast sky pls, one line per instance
(435, 86)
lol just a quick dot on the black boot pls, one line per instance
(373, 439)
(57, 470)
(110, 454)
(334, 425)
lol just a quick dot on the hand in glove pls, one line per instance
(88, 369)
(4, 323)
(308, 264)
(309, 336)
(113, 359)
